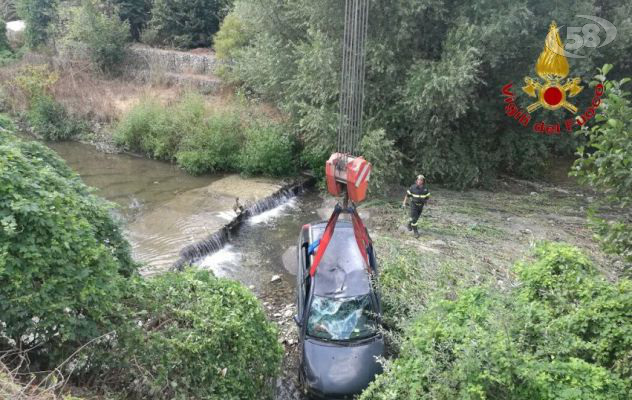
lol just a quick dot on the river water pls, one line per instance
(164, 209)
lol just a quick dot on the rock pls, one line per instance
(533, 193)
(288, 313)
(525, 231)
(590, 199)
(275, 278)
(251, 287)
(437, 243)
(402, 228)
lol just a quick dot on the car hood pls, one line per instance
(339, 369)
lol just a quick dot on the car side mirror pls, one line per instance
(297, 320)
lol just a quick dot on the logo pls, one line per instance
(552, 67)
(587, 35)
(552, 91)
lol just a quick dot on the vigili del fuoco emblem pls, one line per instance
(552, 67)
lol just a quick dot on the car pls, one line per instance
(338, 314)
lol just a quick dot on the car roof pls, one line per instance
(342, 271)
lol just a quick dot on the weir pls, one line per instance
(216, 241)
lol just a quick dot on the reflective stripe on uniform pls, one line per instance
(419, 196)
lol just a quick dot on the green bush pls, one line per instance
(39, 16)
(102, 33)
(201, 143)
(268, 150)
(386, 161)
(50, 120)
(61, 255)
(201, 337)
(157, 130)
(187, 23)
(563, 333)
(214, 146)
(605, 163)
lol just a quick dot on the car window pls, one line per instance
(341, 319)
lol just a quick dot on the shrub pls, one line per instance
(214, 146)
(564, 333)
(385, 159)
(50, 120)
(187, 23)
(61, 255)
(268, 150)
(605, 163)
(201, 337)
(157, 130)
(35, 81)
(38, 15)
(103, 34)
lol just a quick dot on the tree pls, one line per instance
(38, 15)
(187, 23)
(605, 163)
(103, 33)
(136, 12)
(435, 70)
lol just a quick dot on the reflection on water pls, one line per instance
(164, 208)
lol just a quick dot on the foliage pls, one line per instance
(61, 255)
(563, 333)
(7, 10)
(201, 142)
(6, 55)
(103, 34)
(605, 163)
(35, 81)
(213, 147)
(136, 12)
(433, 87)
(157, 130)
(268, 150)
(39, 16)
(385, 159)
(232, 35)
(4, 42)
(50, 120)
(201, 337)
(187, 23)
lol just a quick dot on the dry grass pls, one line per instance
(102, 100)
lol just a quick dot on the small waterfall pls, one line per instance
(215, 242)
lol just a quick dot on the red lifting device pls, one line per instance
(348, 172)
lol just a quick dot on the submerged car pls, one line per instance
(338, 315)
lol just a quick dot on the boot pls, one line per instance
(416, 232)
(409, 226)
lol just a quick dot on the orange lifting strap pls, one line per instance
(359, 230)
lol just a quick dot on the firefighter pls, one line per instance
(419, 195)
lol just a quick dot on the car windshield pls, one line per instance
(341, 319)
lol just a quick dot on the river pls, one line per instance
(164, 209)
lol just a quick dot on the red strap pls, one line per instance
(324, 240)
(361, 235)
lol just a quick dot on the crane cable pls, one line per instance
(352, 77)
